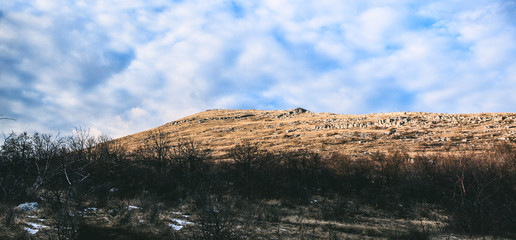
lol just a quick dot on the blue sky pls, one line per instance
(123, 66)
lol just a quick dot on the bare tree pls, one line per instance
(190, 161)
(157, 146)
(25, 163)
(248, 159)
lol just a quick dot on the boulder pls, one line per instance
(28, 206)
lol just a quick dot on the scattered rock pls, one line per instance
(299, 110)
(28, 206)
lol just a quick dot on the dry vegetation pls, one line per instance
(268, 175)
(289, 130)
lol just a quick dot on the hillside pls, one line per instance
(413, 132)
(458, 183)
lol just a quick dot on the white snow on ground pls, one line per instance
(178, 224)
(35, 228)
(37, 225)
(36, 217)
(175, 227)
(31, 231)
(181, 222)
(133, 207)
(183, 215)
(179, 213)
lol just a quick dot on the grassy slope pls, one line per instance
(413, 132)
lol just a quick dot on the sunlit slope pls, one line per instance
(412, 132)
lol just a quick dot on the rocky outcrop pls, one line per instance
(293, 113)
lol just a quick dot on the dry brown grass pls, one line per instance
(287, 130)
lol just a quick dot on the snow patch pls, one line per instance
(31, 231)
(133, 207)
(178, 224)
(35, 228)
(175, 227)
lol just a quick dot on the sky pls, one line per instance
(118, 67)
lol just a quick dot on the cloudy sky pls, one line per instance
(123, 66)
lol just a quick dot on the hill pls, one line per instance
(412, 132)
(161, 186)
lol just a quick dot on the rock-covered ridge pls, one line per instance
(231, 115)
(420, 120)
(343, 121)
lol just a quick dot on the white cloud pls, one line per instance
(125, 66)
(494, 51)
(371, 28)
